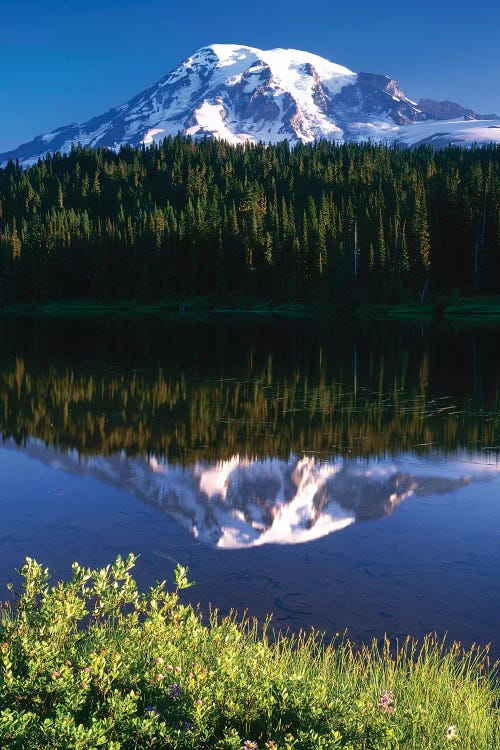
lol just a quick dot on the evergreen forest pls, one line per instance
(323, 222)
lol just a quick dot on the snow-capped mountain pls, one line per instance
(241, 93)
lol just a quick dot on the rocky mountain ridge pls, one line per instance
(243, 94)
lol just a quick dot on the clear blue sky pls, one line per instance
(65, 60)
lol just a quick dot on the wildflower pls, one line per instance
(84, 685)
(55, 675)
(170, 668)
(387, 701)
(86, 670)
(190, 675)
(174, 691)
(178, 669)
(199, 702)
(249, 745)
(186, 726)
(67, 663)
(160, 677)
(151, 712)
(159, 660)
(451, 732)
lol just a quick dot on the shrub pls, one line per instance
(93, 663)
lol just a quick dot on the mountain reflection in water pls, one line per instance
(178, 439)
(241, 502)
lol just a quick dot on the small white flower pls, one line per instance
(451, 732)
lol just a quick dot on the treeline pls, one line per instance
(205, 218)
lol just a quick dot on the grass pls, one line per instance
(475, 308)
(452, 308)
(396, 312)
(91, 308)
(182, 307)
(92, 663)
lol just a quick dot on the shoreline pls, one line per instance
(466, 309)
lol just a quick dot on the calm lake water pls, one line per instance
(335, 477)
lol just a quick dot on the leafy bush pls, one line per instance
(92, 663)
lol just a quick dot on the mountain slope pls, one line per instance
(242, 94)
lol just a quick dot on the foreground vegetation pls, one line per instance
(92, 663)
(320, 223)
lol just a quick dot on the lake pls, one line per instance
(341, 476)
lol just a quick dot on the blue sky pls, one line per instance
(63, 61)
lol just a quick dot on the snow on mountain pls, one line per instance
(241, 94)
(459, 132)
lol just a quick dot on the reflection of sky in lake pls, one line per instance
(433, 565)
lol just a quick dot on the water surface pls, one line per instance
(333, 477)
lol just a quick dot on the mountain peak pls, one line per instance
(243, 94)
(227, 53)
